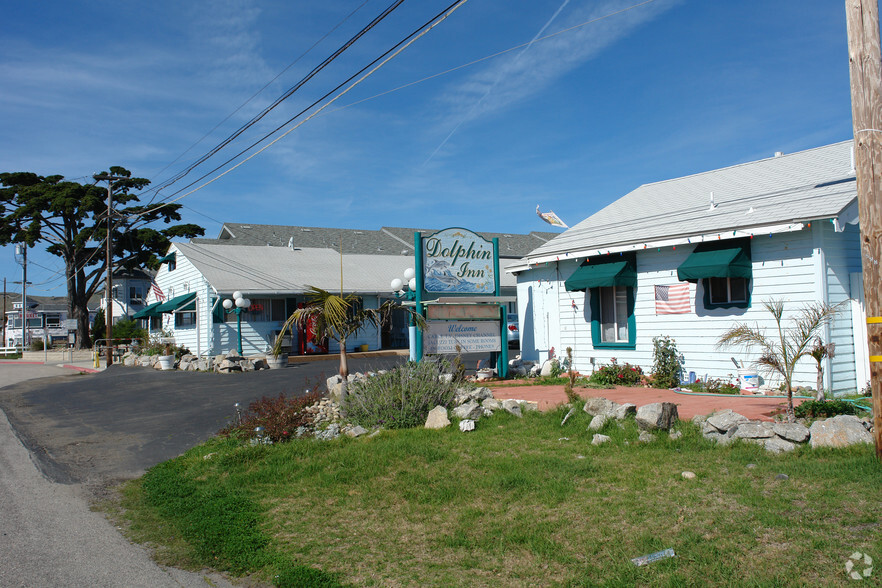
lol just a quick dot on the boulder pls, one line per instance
(356, 431)
(466, 425)
(546, 368)
(599, 439)
(491, 404)
(471, 410)
(597, 422)
(623, 410)
(512, 407)
(726, 419)
(437, 418)
(529, 405)
(659, 415)
(778, 445)
(675, 435)
(751, 431)
(839, 431)
(596, 406)
(794, 432)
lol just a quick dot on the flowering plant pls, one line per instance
(617, 374)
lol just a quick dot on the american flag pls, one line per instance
(672, 299)
(157, 292)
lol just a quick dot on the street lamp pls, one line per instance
(406, 289)
(241, 305)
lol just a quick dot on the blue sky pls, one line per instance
(571, 122)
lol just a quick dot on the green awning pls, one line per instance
(733, 262)
(599, 275)
(167, 258)
(147, 311)
(185, 302)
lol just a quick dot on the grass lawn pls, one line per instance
(517, 502)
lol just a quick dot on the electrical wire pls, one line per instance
(256, 94)
(383, 59)
(254, 120)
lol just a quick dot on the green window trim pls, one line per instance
(596, 339)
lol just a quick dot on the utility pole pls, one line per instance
(108, 301)
(4, 312)
(862, 19)
(21, 256)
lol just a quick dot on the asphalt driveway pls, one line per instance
(113, 425)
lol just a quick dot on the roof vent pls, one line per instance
(305, 230)
(779, 153)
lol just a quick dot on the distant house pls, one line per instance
(272, 265)
(128, 293)
(45, 318)
(688, 257)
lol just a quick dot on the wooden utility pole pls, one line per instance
(862, 18)
(108, 286)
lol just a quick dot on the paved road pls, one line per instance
(112, 425)
(76, 434)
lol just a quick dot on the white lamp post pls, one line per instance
(241, 305)
(406, 289)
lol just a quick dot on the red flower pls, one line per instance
(621, 376)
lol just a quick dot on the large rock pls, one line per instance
(336, 388)
(599, 439)
(491, 404)
(623, 410)
(726, 419)
(794, 432)
(596, 406)
(466, 425)
(659, 415)
(778, 445)
(597, 422)
(546, 368)
(437, 418)
(512, 407)
(471, 410)
(839, 431)
(751, 431)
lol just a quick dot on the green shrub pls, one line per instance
(665, 363)
(615, 374)
(279, 417)
(37, 345)
(401, 398)
(824, 408)
(713, 386)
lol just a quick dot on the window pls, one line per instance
(726, 291)
(136, 295)
(53, 320)
(613, 314)
(278, 311)
(185, 319)
(612, 317)
(155, 323)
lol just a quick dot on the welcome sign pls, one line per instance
(458, 261)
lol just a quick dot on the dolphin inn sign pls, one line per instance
(457, 292)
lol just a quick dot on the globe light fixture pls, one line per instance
(406, 288)
(237, 304)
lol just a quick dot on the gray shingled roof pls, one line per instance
(814, 184)
(280, 270)
(386, 241)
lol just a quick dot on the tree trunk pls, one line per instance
(820, 396)
(77, 304)
(344, 364)
(791, 414)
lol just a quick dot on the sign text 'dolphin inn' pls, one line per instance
(458, 261)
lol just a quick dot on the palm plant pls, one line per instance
(338, 317)
(781, 354)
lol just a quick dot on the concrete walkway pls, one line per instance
(48, 534)
(688, 405)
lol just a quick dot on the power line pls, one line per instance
(254, 120)
(256, 94)
(382, 59)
